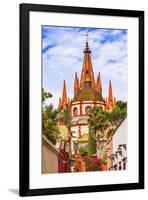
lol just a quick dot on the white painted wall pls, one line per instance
(84, 129)
(120, 136)
(75, 131)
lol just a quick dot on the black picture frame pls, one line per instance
(24, 189)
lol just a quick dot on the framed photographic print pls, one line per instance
(81, 99)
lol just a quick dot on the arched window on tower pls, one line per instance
(75, 111)
(87, 110)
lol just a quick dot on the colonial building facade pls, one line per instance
(117, 143)
(87, 94)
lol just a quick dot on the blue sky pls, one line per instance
(62, 56)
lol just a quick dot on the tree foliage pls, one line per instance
(118, 113)
(65, 116)
(102, 123)
(83, 150)
(91, 144)
(49, 119)
(45, 95)
(98, 120)
(98, 123)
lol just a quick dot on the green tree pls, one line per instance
(91, 144)
(118, 113)
(49, 119)
(49, 123)
(122, 105)
(102, 124)
(45, 95)
(98, 123)
(65, 116)
(83, 150)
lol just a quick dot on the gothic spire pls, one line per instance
(76, 84)
(110, 93)
(64, 95)
(87, 74)
(99, 84)
(110, 102)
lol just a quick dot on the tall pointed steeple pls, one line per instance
(87, 74)
(110, 101)
(99, 84)
(64, 95)
(110, 93)
(76, 84)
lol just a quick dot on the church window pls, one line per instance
(87, 110)
(75, 111)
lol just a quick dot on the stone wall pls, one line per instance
(49, 157)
